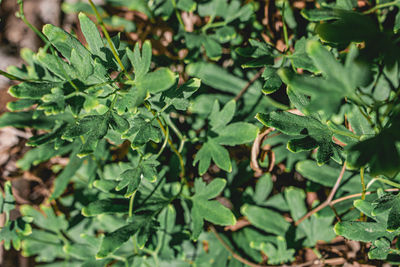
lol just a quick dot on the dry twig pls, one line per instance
(328, 201)
(255, 151)
(244, 89)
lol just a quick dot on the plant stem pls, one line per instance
(345, 133)
(213, 25)
(363, 218)
(11, 77)
(364, 189)
(131, 204)
(173, 127)
(108, 38)
(375, 8)
(33, 28)
(164, 143)
(386, 181)
(334, 202)
(285, 32)
(390, 106)
(171, 144)
(368, 118)
(178, 15)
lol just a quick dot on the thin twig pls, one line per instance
(334, 202)
(241, 223)
(328, 201)
(255, 151)
(244, 89)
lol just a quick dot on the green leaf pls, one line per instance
(272, 81)
(55, 65)
(393, 222)
(348, 26)
(105, 185)
(220, 118)
(397, 22)
(44, 245)
(214, 212)
(319, 14)
(65, 43)
(327, 175)
(263, 189)
(20, 104)
(158, 81)
(142, 131)
(54, 102)
(125, 25)
(310, 133)
(338, 81)
(361, 231)
(130, 100)
(114, 240)
(212, 190)
(383, 204)
(379, 152)
(204, 209)
(212, 47)
(131, 178)
(359, 123)
(300, 58)
(140, 61)
(118, 123)
(41, 154)
(315, 228)
(380, 250)
(216, 77)
(237, 133)
(48, 137)
(186, 5)
(212, 150)
(138, 5)
(346, 4)
(261, 218)
(106, 206)
(92, 128)
(26, 119)
(276, 255)
(83, 70)
(62, 180)
(178, 96)
(7, 202)
(32, 90)
(92, 36)
(14, 232)
(45, 218)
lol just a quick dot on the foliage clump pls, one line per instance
(176, 161)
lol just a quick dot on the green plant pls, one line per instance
(139, 136)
